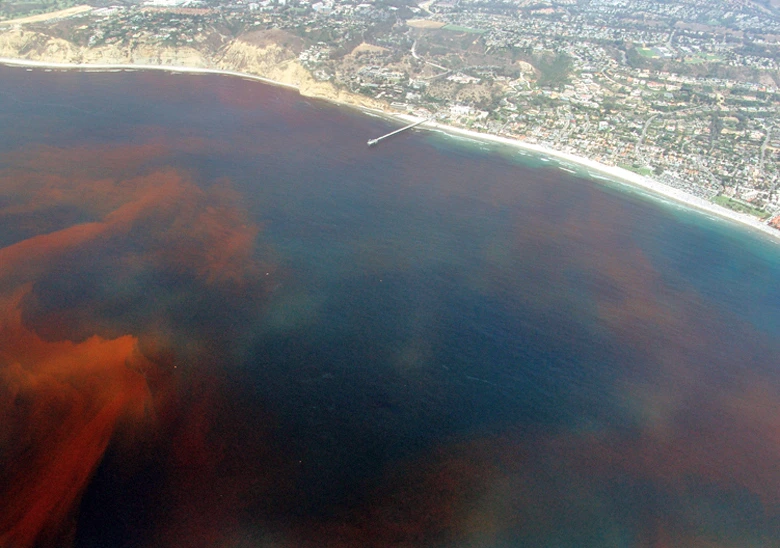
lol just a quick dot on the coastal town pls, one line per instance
(684, 93)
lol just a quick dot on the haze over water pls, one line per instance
(225, 321)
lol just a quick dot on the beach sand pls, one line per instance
(613, 173)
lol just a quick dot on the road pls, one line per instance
(414, 54)
(61, 14)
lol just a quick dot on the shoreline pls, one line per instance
(103, 67)
(612, 173)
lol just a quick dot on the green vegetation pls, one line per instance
(703, 58)
(15, 10)
(648, 52)
(641, 170)
(555, 70)
(458, 28)
(740, 207)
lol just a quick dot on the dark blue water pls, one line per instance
(431, 342)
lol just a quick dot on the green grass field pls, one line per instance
(643, 170)
(702, 58)
(740, 207)
(458, 28)
(648, 52)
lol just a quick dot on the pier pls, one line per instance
(372, 142)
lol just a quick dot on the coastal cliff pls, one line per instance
(35, 46)
(281, 65)
(271, 61)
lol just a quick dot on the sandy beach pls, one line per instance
(613, 173)
(96, 67)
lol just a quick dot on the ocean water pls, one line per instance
(228, 322)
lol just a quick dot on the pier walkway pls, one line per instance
(372, 142)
